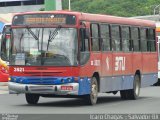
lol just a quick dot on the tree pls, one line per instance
(125, 8)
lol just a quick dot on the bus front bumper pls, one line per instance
(63, 89)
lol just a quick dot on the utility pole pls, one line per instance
(69, 4)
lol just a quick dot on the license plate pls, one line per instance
(70, 88)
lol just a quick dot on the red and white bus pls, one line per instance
(64, 53)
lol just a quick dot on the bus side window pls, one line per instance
(143, 34)
(135, 38)
(105, 35)
(84, 46)
(95, 37)
(115, 33)
(125, 38)
(84, 39)
(151, 40)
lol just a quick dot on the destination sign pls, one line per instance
(44, 19)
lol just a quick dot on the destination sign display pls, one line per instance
(44, 19)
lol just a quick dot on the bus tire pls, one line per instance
(132, 94)
(91, 99)
(124, 94)
(32, 98)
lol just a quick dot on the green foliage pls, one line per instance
(126, 8)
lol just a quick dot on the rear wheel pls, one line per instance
(92, 97)
(132, 94)
(124, 94)
(32, 98)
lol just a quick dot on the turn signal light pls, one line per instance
(9, 79)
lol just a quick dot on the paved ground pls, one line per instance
(149, 102)
(3, 89)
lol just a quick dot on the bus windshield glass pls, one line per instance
(44, 46)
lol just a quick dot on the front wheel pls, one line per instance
(92, 97)
(32, 98)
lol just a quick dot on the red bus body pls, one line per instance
(115, 71)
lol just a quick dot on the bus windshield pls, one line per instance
(44, 46)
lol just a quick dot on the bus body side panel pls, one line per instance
(149, 79)
(93, 65)
(149, 73)
(107, 64)
(119, 67)
(124, 67)
(137, 62)
(116, 83)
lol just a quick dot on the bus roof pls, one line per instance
(100, 18)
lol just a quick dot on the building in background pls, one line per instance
(9, 7)
(14, 6)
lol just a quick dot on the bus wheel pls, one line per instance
(132, 94)
(92, 97)
(32, 98)
(124, 94)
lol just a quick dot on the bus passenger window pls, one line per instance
(95, 37)
(143, 34)
(84, 48)
(151, 40)
(115, 38)
(125, 38)
(105, 35)
(84, 41)
(135, 38)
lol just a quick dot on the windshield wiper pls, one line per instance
(52, 35)
(32, 33)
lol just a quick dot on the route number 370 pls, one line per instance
(18, 69)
